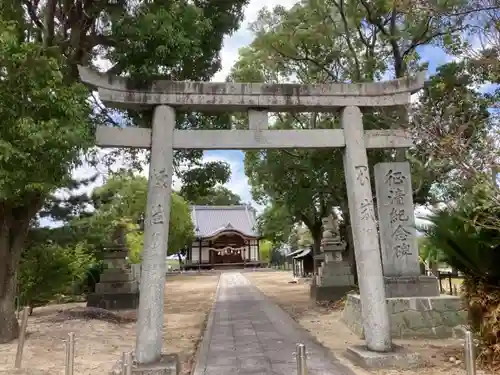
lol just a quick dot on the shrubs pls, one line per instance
(468, 237)
(48, 270)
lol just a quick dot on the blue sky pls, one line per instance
(243, 37)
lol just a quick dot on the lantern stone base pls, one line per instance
(114, 301)
(333, 281)
(328, 293)
(412, 317)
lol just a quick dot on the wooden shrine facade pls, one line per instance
(225, 238)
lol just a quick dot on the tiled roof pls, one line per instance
(209, 220)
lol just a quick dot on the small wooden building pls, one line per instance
(226, 236)
(302, 262)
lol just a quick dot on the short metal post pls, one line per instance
(301, 358)
(127, 363)
(470, 354)
(22, 337)
(69, 366)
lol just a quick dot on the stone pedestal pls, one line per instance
(411, 286)
(117, 288)
(167, 365)
(334, 279)
(398, 241)
(413, 317)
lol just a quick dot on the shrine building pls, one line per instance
(226, 237)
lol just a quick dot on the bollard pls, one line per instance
(69, 366)
(470, 354)
(127, 363)
(301, 358)
(22, 337)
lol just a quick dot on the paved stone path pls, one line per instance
(247, 334)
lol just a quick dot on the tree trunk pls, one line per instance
(14, 224)
(316, 235)
(9, 327)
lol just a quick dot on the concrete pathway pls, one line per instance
(247, 334)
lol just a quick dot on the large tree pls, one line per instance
(215, 196)
(47, 118)
(339, 41)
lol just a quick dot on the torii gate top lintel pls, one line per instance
(211, 96)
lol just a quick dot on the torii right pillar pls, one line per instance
(395, 301)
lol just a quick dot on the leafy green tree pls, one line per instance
(338, 41)
(47, 118)
(265, 248)
(48, 269)
(123, 198)
(45, 126)
(216, 196)
(275, 224)
(468, 237)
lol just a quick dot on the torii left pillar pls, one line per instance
(150, 315)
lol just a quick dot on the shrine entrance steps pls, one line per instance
(248, 334)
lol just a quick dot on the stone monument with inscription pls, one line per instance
(117, 288)
(416, 308)
(398, 240)
(334, 278)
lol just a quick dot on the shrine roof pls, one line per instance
(212, 220)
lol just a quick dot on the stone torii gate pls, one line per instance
(165, 97)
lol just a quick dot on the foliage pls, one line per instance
(47, 270)
(135, 243)
(47, 119)
(123, 198)
(45, 126)
(429, 253)
(275, 224)
(352, 41)
(265, 249)
(468, 236)
(454, 132)
(215, 196)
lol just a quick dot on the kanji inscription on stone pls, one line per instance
(157, 215)
(362, 174)
(395, 177)
(396, 219)
(402, 250)
(160, 178)
(366, 210)
(398, 215)
(396, 196)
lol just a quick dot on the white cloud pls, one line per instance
(243, 37)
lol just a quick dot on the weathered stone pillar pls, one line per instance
(398, 239)
(152, 285)
(365, 237)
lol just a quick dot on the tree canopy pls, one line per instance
(48, 117)
(352, 41)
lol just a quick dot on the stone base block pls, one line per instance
(116, 276)
(398, 358)
(116, 287)
(411, 286)
(168, 365)
(412, 317)
(114, 301)
(330, 293)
